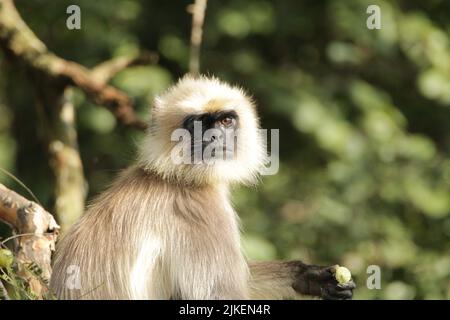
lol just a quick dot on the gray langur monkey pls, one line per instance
(167, 230)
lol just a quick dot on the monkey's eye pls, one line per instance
(227, 122)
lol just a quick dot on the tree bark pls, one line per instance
(57, 118)
(37, 232)
(198, 16)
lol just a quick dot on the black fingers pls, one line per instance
(349, 285)
(317, 273)
(337, 291)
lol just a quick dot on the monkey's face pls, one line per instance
(208, 137)
(203, 131)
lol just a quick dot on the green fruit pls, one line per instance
(6, 258)
(342, 275)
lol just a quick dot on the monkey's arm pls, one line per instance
(284, 280)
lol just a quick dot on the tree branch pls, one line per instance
(108, 69)
(115, 100)
(39, 230)
(198, 16)
(19, 41)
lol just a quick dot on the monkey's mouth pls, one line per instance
(211, 152)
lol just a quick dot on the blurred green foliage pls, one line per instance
(364, 117)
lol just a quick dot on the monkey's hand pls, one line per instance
(320, 282)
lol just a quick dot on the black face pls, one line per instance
(224, 125)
